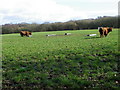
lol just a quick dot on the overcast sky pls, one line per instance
(39, 11)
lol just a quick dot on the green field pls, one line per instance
(74, 61)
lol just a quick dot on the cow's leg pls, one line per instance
(105, 33)
(101, 34)
(27, 34)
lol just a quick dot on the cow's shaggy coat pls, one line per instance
(25, 33)
(104, 31)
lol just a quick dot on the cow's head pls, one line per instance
(30, 34)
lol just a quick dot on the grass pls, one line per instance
(74, 61)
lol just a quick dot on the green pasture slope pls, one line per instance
(74, 61)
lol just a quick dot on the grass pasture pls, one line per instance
(74, 61)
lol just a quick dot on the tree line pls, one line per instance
(105, 21)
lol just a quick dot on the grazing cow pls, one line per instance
(104, 31)
(25, 33)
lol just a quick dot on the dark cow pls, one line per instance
(104, 31)
(25, 33)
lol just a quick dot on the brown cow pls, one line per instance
(104, 31)
(25, 33)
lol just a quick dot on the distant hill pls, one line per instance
(105, 21)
